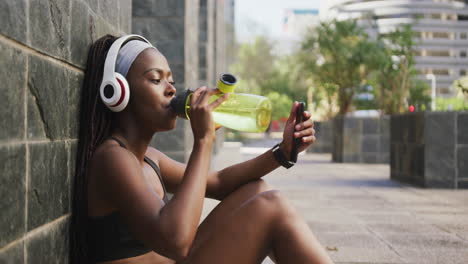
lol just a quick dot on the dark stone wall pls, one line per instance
(361, 139)
(43, 51)
(430, 149)
(324, 136)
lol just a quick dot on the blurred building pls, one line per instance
(296, 22)
(441, 26)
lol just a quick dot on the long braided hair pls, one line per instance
(95, 126)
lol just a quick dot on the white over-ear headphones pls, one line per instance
(114, 89)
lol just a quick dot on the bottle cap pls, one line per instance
(227, 82)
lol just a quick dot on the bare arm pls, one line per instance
(221, 183)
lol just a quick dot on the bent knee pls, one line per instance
(272, 201)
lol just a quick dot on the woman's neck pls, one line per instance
(135, 137)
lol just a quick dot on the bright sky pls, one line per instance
(265, 17)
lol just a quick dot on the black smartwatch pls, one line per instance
(281, 158)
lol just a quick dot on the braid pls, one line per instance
(95, 126)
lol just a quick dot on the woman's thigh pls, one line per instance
(241, 236)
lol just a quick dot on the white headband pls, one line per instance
(128, 53)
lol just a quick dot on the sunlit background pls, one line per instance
(278, 54)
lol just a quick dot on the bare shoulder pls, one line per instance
(110, 151)
(110, 162)
(154, 154)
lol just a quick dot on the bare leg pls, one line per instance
(262, 223)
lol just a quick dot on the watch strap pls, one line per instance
(281, 158)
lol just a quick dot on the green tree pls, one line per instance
(392, 59)
(419, 95)
(335, 53)
(254, 65)
(462, 86)
(281, 105)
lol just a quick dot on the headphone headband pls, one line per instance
(114, 89)
(111, 58)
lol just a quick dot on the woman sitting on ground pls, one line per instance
(121, 213)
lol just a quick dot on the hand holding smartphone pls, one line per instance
(297, 141)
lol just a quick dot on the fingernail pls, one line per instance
(298, 127)
(296, 134)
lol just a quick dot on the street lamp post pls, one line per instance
(432, 77)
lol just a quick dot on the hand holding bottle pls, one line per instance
(201, 118)
(304, 130)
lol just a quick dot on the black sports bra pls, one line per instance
(109, 237)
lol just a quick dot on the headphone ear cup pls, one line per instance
(115, 92)
(124, 94)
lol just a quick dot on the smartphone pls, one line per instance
(297, 141)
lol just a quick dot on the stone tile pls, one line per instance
(463, 184)
(434, 256)
(12, 188)
(49, 27)
(440, 165)
(50, 98)
(108, 9)
(330, 227)
(352, 123)
(462, 162)
(125, 17)
(80, 35)
(404, 228)
(463, 235)
(13, 76)
(370, 125)
(74, 94)
(462, 125)
(173, 50)
(358, 255)
(424, 241)
(147, 8)
(360, 240)
(161, 28)
(356, 247)
(48, 192)
(388, 218)
(453, 223)
(13, 20)
(395, 131)
(99, 27)
(13, 254)
(36, 128)
(49, 245)
(93, 4)
(439, 127)
(370, 143)
(71, 149)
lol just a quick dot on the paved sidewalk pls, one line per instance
(360, 216)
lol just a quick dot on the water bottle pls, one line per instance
(242, 112)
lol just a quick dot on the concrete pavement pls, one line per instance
(361, 216)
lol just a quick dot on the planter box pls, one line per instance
(430, 149)
(361, 139)
(324, 135)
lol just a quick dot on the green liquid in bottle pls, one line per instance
(243, 112)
